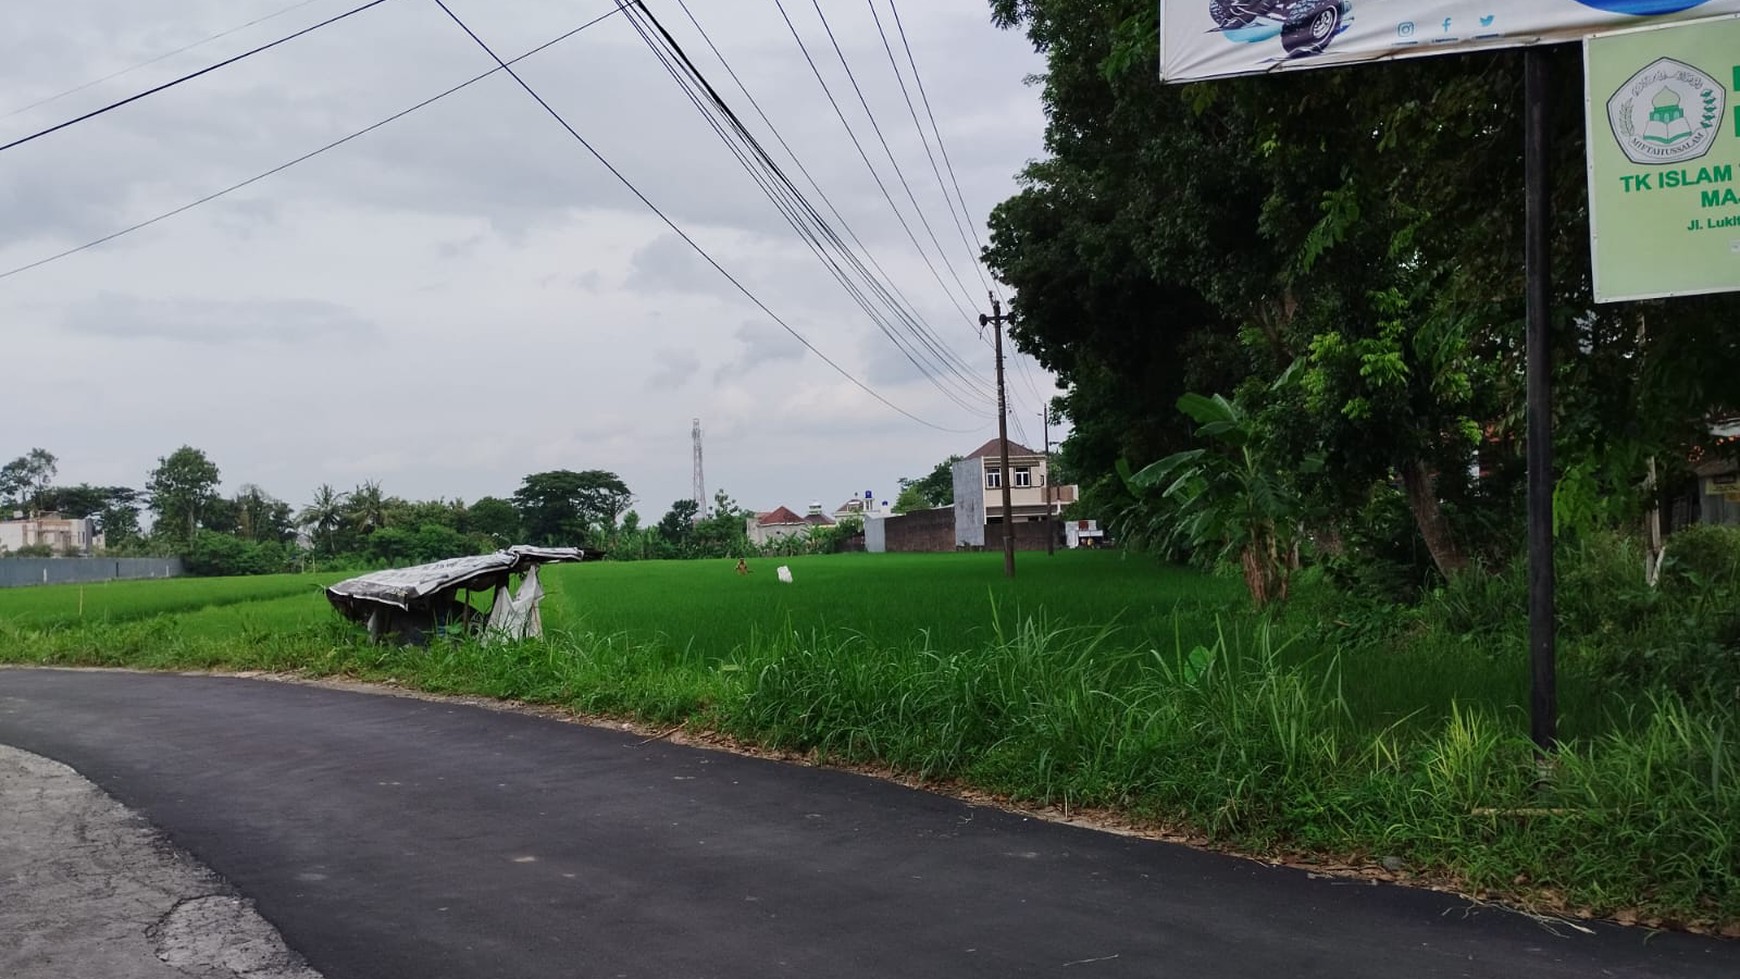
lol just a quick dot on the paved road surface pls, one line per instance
(389, 837)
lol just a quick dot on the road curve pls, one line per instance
(388, 836)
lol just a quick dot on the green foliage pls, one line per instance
(1702, 553)
(911, 498)
(182, 488)
(25, 480)
(494, 518)
(1227, 503)
(1342, 250)
(565, 508)
(213, 554)
(934, 489)
(1180, 713)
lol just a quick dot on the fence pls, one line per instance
(16, 572)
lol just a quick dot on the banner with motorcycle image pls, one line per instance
(1219, 38)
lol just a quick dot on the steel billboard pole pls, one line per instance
(1537, 176)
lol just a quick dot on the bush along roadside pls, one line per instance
(1229, 741)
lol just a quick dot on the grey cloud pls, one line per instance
(206, 321)
(675, 367)
(763, 343)
(668, 264)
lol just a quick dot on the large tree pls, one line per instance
(25, 480)
(182, 488)
(1343, 249)
(495, 518)
(564, 507)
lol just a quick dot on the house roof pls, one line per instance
(819, 519)
(852, 505)
(991, 450)
(777, 516)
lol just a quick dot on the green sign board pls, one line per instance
(1664, 160)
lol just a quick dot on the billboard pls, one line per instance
(1664, 160)
(1217, 38)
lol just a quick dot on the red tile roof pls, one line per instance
(777, 516)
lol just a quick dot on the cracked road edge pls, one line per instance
(89, 888)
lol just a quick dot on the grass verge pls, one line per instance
(1175, 713)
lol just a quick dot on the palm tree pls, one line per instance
(368, 509)
(324, 516)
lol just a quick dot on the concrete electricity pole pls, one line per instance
(1050, 525)
(997, 319)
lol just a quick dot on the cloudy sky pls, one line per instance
(466, 295)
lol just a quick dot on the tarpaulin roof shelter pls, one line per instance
(416, 600)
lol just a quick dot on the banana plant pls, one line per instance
(1224, 502)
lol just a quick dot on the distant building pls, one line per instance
(1718, 474)
(62, 535)
(765, 528)
(979, 491)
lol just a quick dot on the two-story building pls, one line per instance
(979, 482)
(62, 535)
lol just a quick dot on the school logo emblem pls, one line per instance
(1669, 112)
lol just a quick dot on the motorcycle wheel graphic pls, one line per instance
(1313, 34)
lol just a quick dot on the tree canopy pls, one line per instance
(1340, 252)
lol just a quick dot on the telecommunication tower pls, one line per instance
(700, 477)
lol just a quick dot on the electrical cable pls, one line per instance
(882, 273)
(798, 211)
(889, 152)
(188, 77)
(256, 178)
(840, 113)
(162, 57)
(925, 140)
(678, 229)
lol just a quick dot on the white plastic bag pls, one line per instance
(784, 574)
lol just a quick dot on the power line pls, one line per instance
(872, 168)
(188, 77)
(907, 310)
(877, 128)
(803, 217)
(256, 178)
(960, 198)
(162, 57)
(799, 162)
(925, 140)
(948, 164)
(677, 228)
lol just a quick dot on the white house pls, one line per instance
(780, 522)
(979, 490)
(62, 535)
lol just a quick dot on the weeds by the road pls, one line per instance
(1238, 728)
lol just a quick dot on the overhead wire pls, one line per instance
(256, 178)
(868, 254)
(889, 152)
(924, 139)
(865, 156)
(684, 235)
(162, 57)
(804, 217)
(960, 199)
(188, 77)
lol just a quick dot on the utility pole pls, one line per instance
(1050, 526)
(997, 319)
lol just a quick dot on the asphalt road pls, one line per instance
(389, 837)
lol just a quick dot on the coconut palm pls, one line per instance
(324, 516)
